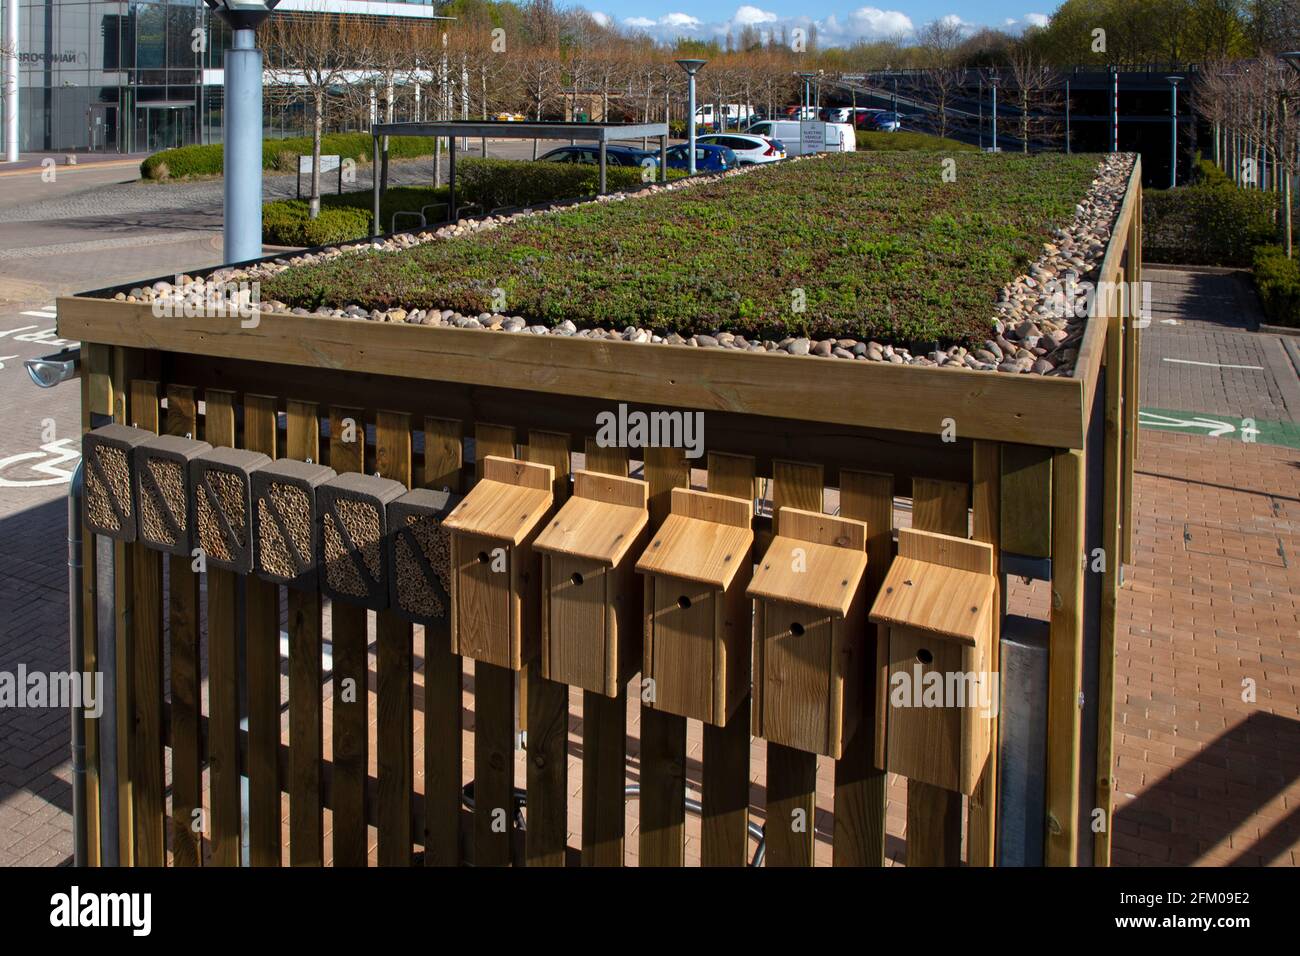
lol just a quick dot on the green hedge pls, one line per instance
(189, 161)
(489, 182)
(1277, 280)
(1210, 224)
(874, 141)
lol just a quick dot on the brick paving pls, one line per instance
(1203, 775)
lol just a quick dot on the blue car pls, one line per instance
(887, 122)
(708, 158)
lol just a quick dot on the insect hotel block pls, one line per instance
(810, 620)
(353, 531)
(285, 521)
(937, 601)
(162, 491)
(591, 597)
(697, 615)
(109, 507)
(222, 515)
(496, 574)
(419, 555)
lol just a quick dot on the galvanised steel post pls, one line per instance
(243, 147)
(11, 82)
(1173, 132)
(994, 83)
(691, 67)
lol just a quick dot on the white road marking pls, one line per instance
(1214, 429)
(1253, 368)
(48, 313)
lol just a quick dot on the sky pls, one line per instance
(839, 22)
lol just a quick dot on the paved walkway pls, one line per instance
(1204, 776)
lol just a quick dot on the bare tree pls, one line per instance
(1034, 80)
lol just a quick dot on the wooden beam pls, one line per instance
(1065, 660)
(986, 526)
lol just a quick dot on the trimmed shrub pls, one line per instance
(873, 141)
(507, 182)
(1277, 279)
(342, 218)
(1206, 225)
(191, 161)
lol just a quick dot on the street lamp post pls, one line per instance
(1173, 131)
(691, 67)
(993, 82)
(242, 123)
(11, 81)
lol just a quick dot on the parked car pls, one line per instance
(749, 149)
(708, 158)
(733, 114)
(590, 155)
(887, 122)
(836, 137)
(801, 112)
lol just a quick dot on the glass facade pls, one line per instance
(126, 76)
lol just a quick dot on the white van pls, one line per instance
(807, 137)
(735, 114)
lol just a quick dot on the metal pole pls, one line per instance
(374, 185)
(76, 641)
(11, 82)
(1067, 117)
(995, 116)
(1114, 110)
(603, 151)
(1173, 137)
(451, 178)
(243, 148)
(663, 158)
(690, 123)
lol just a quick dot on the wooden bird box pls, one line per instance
(810, 620)
(221, 508)
(937, 601)
(591, 598)
(109, 503)
(420, 556)
(162, 491)
(697, 616)
(496, 575)
(353, 538)
(286, 522)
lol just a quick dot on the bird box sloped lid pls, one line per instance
(601, 521)
(705, 539)
(506, 504)
(939, 584)
(817, 561)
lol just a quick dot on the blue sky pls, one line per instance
(838, 21)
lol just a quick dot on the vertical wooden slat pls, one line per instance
(548, 708)
(349, 624)
(663, 735)
(1065, 659)
(986, 526)
(223, 669)
(123, 643)
(494, 715)
(183, 625)
(934, 814)
(96, 399)
(262, 657)
(724, 830)
(306, 829)
(443, 460)
(395, 740)
(859, 782)
(146, 669)
(604, 734)
(791, 773)
(607, 461)
(1112, 521)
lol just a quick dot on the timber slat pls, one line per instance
(791, 773)
(183, 627)
(395, 730)
(146, 670)
(350, 638)
(262, 656)
(986, 526)
(306, 826)
(223, 669)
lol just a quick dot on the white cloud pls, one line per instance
(752, 16)
(874, 22)
(680, 20)
(641, 23)
(1037, 19)
(601, 18)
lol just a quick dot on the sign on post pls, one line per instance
(812, 137)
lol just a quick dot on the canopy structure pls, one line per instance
(600, 133)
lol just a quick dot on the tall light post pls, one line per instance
(691, 67)
(1287, 152)
(993, 82)
(1173, 131)
(11, 81)
(242, 123)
